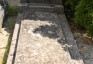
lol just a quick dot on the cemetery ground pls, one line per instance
(5, 37)
(84, 42)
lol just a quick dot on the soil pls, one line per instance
(84, 43)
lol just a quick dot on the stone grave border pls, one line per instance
(73, 49)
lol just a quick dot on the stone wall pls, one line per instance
(13, 2)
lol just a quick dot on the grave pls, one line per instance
(42, 35)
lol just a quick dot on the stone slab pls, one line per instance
(13, 2)
(14, 42)
(43, 38)
(35, 41)
(59, 9)
(44, 8)
(22, 7)
(40, 40)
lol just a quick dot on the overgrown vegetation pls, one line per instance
(12, 10)
(9, 24)
(81, 11)
(70, 7)
(84, 15)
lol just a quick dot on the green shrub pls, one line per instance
(12, 10)
(84, 15)
(69, 6)
(90, 29)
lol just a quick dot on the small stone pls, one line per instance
(92, 38)
(29, 31)
(24, 29)
(34, 52)
(42, 54)
(50, 32)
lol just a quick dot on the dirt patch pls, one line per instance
(84, 43)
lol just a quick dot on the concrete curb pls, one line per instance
(14, 42)
(72, 47)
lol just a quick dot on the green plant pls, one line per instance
(84, 15)
(12, 10)
(90, 29)
(69, 6)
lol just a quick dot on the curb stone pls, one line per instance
(72, 47)
(14, 42)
